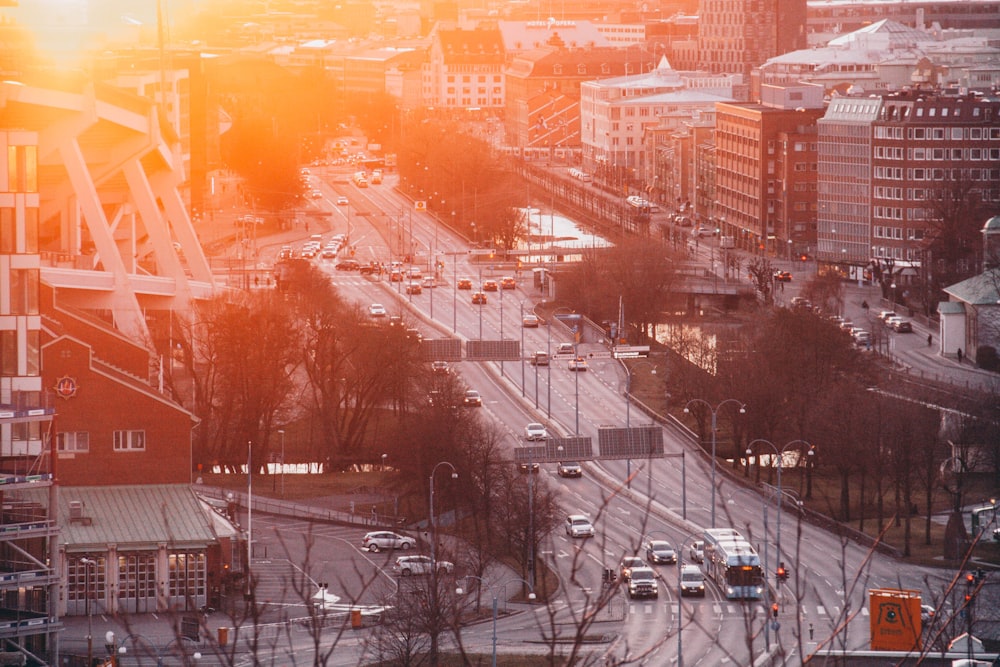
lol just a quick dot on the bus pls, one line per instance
(733, 564)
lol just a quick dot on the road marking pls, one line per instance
(821, 610)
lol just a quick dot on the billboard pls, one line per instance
(895, 619)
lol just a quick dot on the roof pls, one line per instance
(138, 517)
(981, 290)
(951, 308)
(993, 224)
(521, 35)
(894, 33)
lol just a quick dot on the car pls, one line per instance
(535, 431)
(342, 201)
(629, 562)
(508, 283)
(696, 553)
(413, 287)
(315, 194)
(692, 581)
(465, 283)
(440, 367)
(886, 314)
(578, 364)
(396, 276)
(540, 358)
(377, 310)
(577, 525)
(428, 282)
(846, 325)
(472, 399)
(801, 302)
(526, 467)
(529, 321)
(416, 565)
(329, 253)
(566, 348)
(659, 552)
(490, 286)
(783, 276)
(384, 539)
(927, 613)
(478, 298)
(569, 469)
(348, 265)
(642, 583)
(701, 231)
(899, 325)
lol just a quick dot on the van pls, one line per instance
(540, 359)
(566, 348)
(692, 580)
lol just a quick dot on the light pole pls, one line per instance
(493, 592)
(281, 432)
(454, 475)
(87, 563)
(780, 455)
(522, 359)
(715, 417)
(628, 411)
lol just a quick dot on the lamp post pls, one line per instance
(454, 475)
(281, 432)
(780, 454)
(628, 411)
(522, 359)
(493, 592)
(715, 420)
(87, 563)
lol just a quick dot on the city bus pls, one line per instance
(733, 564)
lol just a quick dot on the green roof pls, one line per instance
(981, 290)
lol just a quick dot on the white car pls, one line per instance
(697, 552)
(409, 565)
(535, 431)
(376, 310)
(578, 525)
(342, 201)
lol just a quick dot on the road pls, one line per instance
(830, 577)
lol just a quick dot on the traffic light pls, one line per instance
(774, 610)
(782, 573)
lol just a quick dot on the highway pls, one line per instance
(824, 602)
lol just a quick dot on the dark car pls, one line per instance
(783, 276)
(569, 469)
(348, 265)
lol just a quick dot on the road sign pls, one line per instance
(442, 349)
(630, 351)
(493, 350)
(638, 442)
(419, 205)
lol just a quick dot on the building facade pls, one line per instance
(735, 36)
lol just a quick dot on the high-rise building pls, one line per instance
(736, 36)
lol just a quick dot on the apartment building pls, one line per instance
(736, 36)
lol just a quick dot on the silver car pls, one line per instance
(385, 539)
(535, 431)
(416, 565)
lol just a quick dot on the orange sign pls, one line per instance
(895, 619)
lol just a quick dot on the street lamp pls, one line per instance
(87, 563)
(493, 592)
(715, 418)
(281, 432)
(628, 410)
(454, 475)
(780, 454)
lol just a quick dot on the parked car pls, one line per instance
(379, 540)
(535, 431)
(417, 565)
(529, 321)
(659, 552)
(569, 469)
(577, 525)
(628, 563)
(478, 298)
(642, 583)
(472, 399)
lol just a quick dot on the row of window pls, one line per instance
(939, 133)
(922, 174)
(137, 576)
(912, 234)
(938, 154)
(79, 441)
(465, 91)
(468, 79)
(8, 231)
(10, 357)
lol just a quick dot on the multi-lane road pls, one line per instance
(823, 604)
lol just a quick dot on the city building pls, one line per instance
(464, 71)
(931, 161)
(970, 318)
(735, 36)
(826, 18)
(29, 533)
(766, 170)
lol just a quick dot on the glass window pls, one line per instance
(129, 441)
(74, 441)
(8, 353)
(8, 231)
(24, 291)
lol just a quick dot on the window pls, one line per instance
(130, 441)
(22, 169)
(8, 353)
(187, 574)
(74, 441)
(24, 291)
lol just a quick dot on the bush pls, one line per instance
(986, 357)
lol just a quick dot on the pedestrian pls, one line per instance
(930, 340)
(959, 355)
